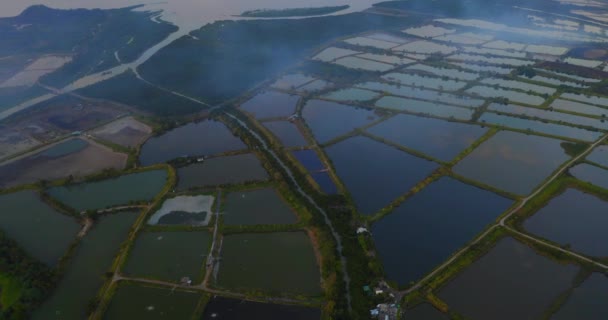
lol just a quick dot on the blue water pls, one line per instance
(374, 173)
(64, 148)
(271, 104)
(588, 301)
(592, 174)
(439, 139)
(194, 139)
(513, 162)
(432, 225)
(287, 133)
(329, 120)
(325, 182)
(309, 159)
(575, 218)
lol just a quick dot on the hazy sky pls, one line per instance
(186, 13)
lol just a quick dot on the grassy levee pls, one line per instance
(360, 274)
(107, 290)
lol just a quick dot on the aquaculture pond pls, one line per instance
(309, 159)
(292, 81)
(448, 209)
(375, 173)
(169, 256)
(222, 170)
(518, 85)
(423, 94)
(328, 120)
(141, 186)
(548, 115)
(44, 233)
(424, 312)
(415, 80)
(588, 301)
(333, 53)
(280, 262)
(271, 104)
(195, 139)
(371, 42)
(576, 219)
(539, 126)
(516, 96)
(364, 64)
(513, 162)
(233, 309)
(592, 174)
(254, 207)
(184, 210)
(599, 155)
(133, 301)
(325, 182)
(64, 148)
(523, 284)
(424, 108)
(578, 107)
(287, 133)
(440, 139)
(351, 94)
(85, 273)
(445, 72)
(600, 101)
(314, 86)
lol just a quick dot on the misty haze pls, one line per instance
(307, 160)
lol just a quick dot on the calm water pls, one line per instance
(133, 301)
(220, 171)
(271, 262)
(448, 209)
(375, 173)
(309, 159)
(219, 308)
(271, 104)
(510, 282)
(262, 206)
(591, 174)
(84, 275)
(328, 120)
(424, 107)
(513, 162)
(440, 139)
(599, 156)
(323, 179)
(287, 132)
(539, 126)
(549, 115)
(574, 218)
(44, 233)
(352, 94)
(588, 301)
(64, 148)
(194, 139)
(142, 186)
(168, 255)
